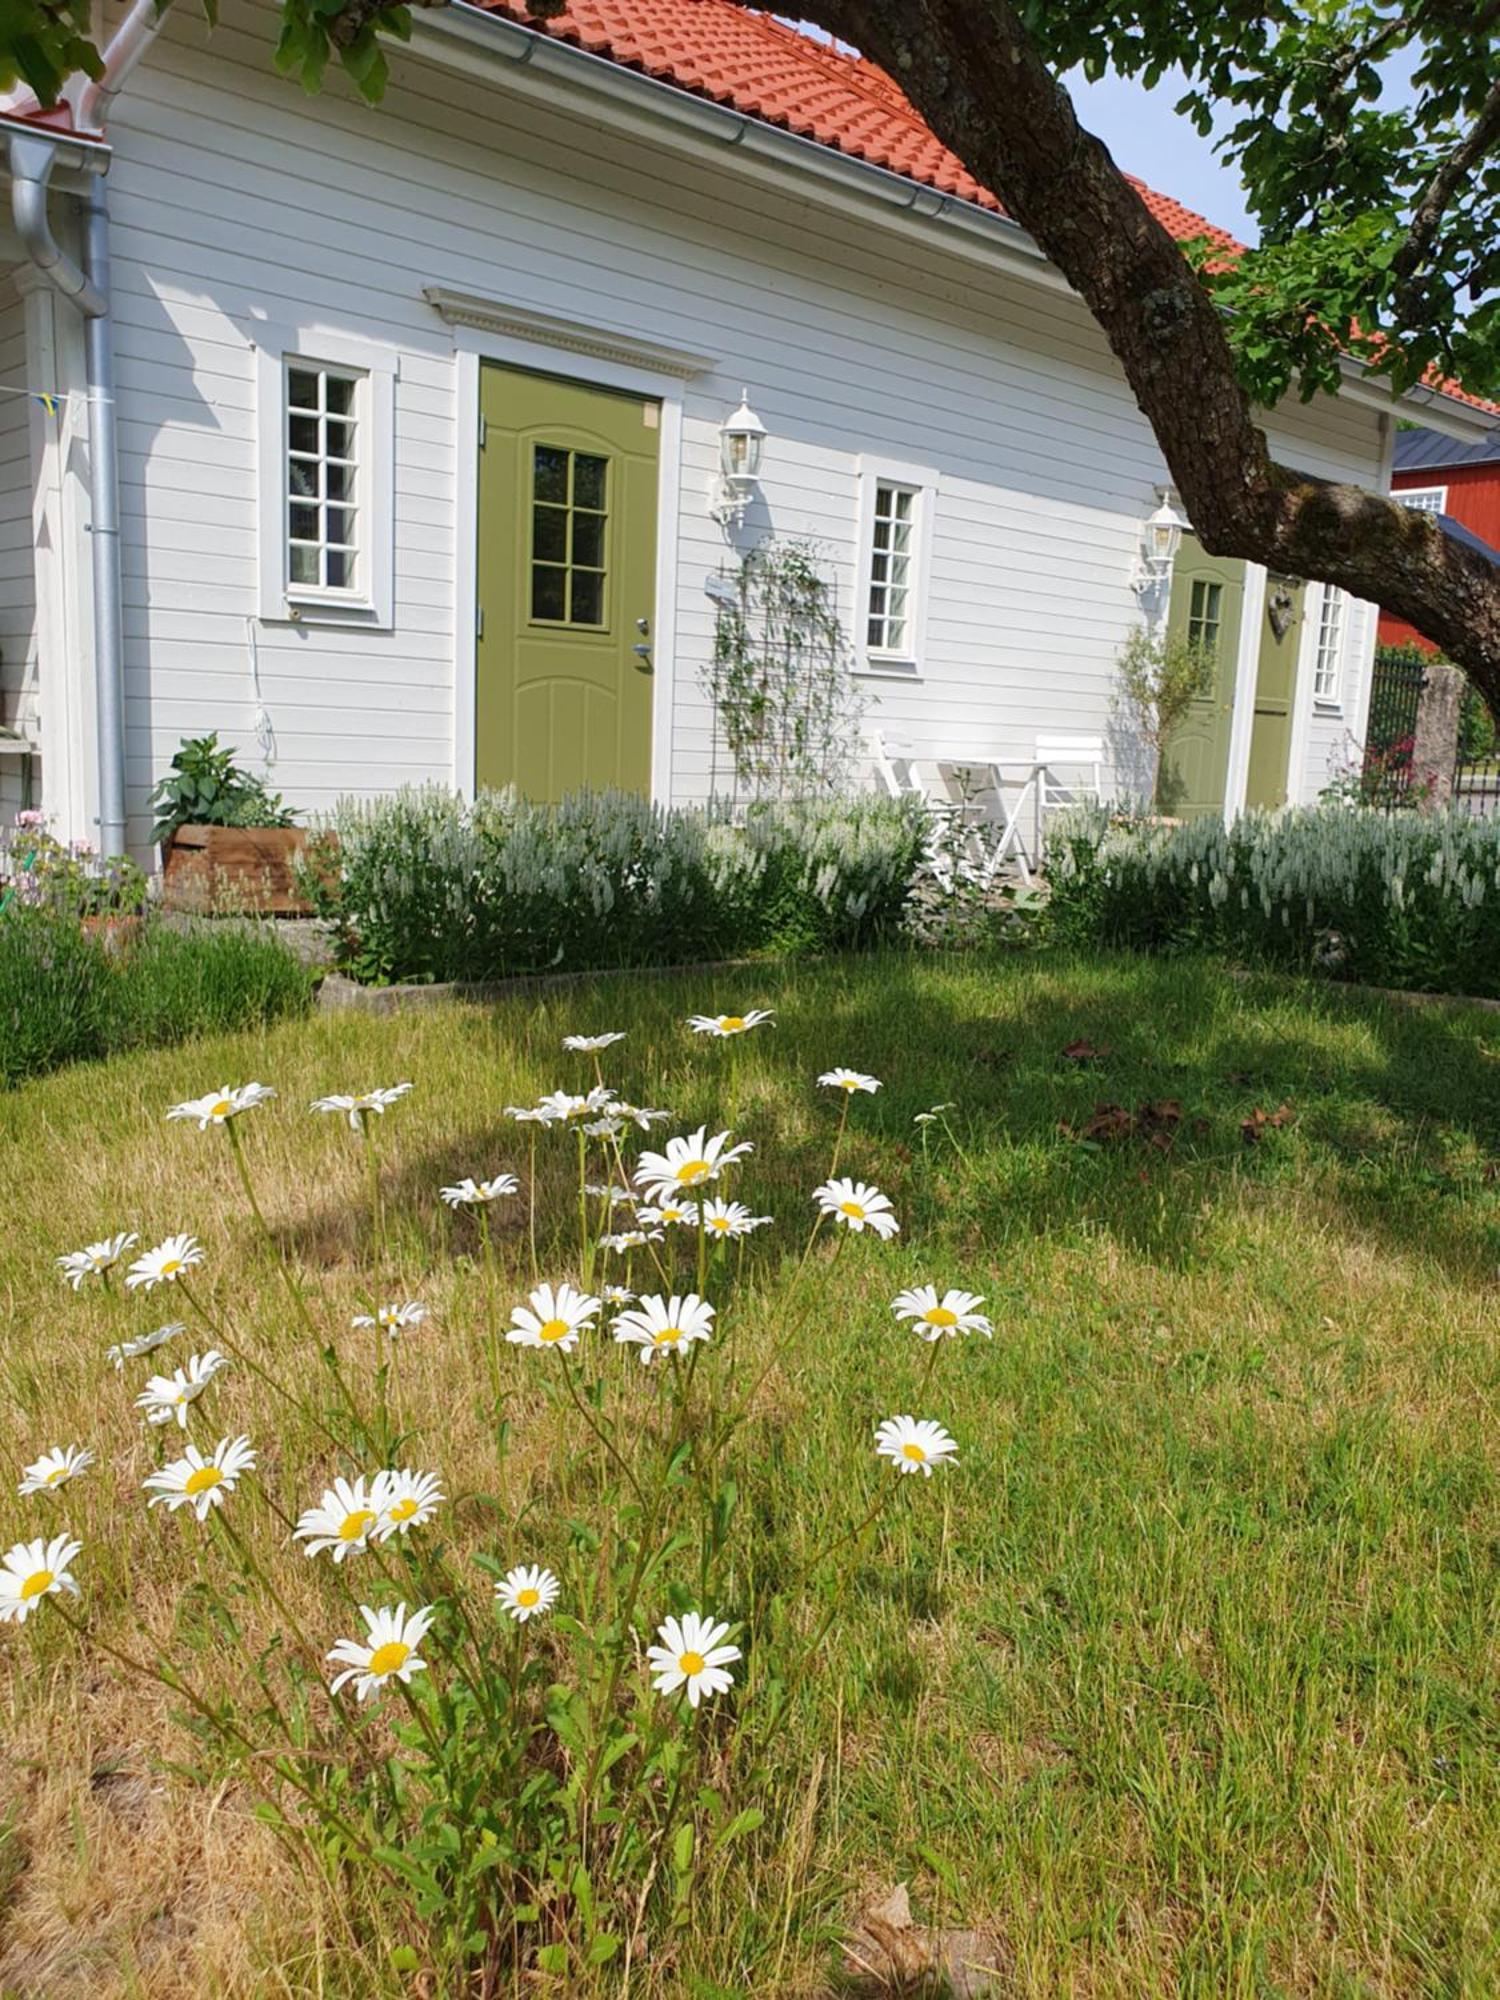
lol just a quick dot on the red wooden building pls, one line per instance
(1459, 482)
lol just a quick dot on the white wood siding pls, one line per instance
(237, 200)
(17, 569)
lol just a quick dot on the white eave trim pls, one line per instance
(572, 336)
(470, 39)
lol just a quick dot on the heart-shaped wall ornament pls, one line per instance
(1281, 608)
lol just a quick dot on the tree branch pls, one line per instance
(1482, 135)
(980, 81)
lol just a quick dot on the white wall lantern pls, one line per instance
(1161, 538)
(742, 440)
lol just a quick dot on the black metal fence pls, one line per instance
(1476, 772)
(1400, 674)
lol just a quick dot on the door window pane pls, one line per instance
(569, 491)
(1204, 614)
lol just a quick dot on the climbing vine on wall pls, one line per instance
(786, 709)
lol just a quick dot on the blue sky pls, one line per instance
(1148, 138)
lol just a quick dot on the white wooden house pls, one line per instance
(418, 417)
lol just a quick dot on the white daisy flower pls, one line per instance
(666, 1326)
(927, 1117)
(614, 1195)
(624, 1240)
(858, 1206)
(692, 1654)
(406, 1500)
(356, 1109)
(469, 1193)
(724, 1025)
(618, 1295)
(934, 1317)
(554, 1318)
(96, 1258)
(532, 1114)
(527, 1593)
(344, 1519)
(668, 1213)
(587, 1045)
(31, 1571)
(850, 1080)
(390, 1652)
(167, 1398)
(731, 1218)
(602, 1128)
(55, 1468)
(688, 1163)
(165, 1264)
(639, 1114)
(222, 1104)
(394, 1319)
(558, 1106)
(914, 1444)
(144, 1343)
(198, 1482)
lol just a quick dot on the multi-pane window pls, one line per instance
(1423, 499)
(322, 478)
(1205, 615)
(569, 520)
(892, 574)
(1329, 660)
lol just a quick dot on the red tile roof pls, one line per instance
(758, 65)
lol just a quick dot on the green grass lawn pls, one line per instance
(1181, 1680)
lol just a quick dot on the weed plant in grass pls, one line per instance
(1179, 1679)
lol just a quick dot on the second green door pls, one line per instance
(566, 568)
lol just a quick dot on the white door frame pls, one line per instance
(1246, 669)
(473, 345)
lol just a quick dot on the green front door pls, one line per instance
(1207, 598)
(1275, 686)
(566, 576)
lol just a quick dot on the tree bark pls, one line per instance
(979, 80)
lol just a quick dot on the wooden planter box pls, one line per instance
(234, 868)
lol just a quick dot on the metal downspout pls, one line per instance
(32, 159)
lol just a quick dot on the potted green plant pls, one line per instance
(227, 840)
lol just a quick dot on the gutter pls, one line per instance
(34, 155)
(474, 41)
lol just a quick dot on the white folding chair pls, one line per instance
(982, 782)
(894, 769)
(1070, 770)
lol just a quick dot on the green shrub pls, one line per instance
(1390, 898)
(424, 886)
(207, 981)
(54, 993)
(66, 997)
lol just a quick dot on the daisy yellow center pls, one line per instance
(355, 1524)
(690, 1663)
(404, 1509)
(667, 1336)
(389, 1658)
(57, 1475)
(854, 1208)
(222, 1109)
(731, 1023)
(941, 1316)
(719, 1222)
(849, 1082)
(172, 1266)
(915, 1453)
(528, 1598)
(39, 1581)
(553, 1329)
(203, 1479)
(693, 1171)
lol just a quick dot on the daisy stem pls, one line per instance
(167, 1676)
(263, 1374)
(702, 1248)
(597, 1429)
(377, 1207)
(838, 1139)
(236, 1146)
(585, 1245)
(422, 1723)
(531, 1177)
(492, 1333)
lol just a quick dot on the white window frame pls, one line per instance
(1328, 676)
(370, 604)
(1422, 499)
(906, 663)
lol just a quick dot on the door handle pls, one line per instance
(643, 659)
